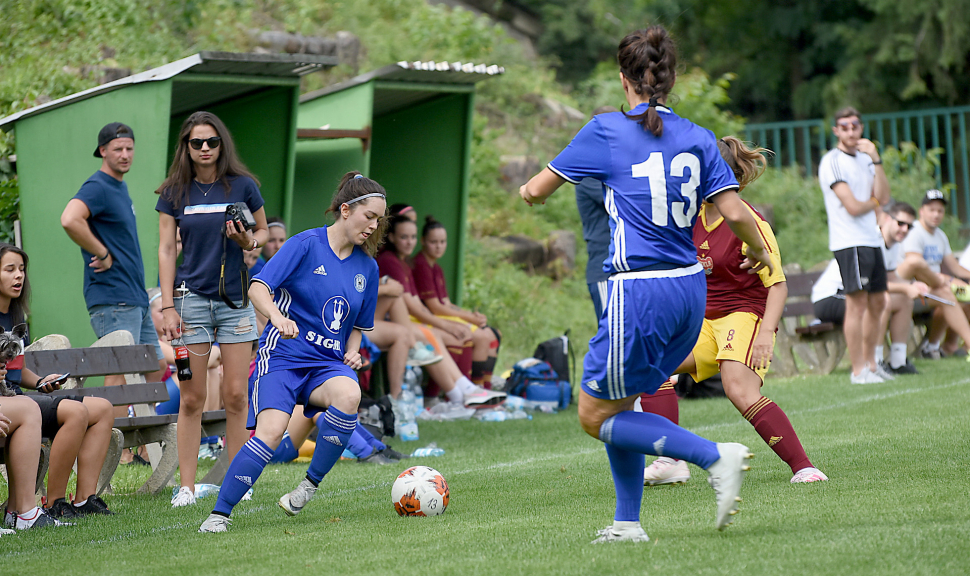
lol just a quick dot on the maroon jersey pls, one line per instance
(390, 265)
(729, 287)
(428, 279)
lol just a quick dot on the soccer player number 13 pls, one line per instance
(653, 170)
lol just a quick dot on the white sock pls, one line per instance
(932, 346)
(81, 503)
(897, 355)
(27, 519)
(466, 385)
(879, 350)
(455, 395)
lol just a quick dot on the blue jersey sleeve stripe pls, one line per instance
(561, 175)
(263, 282)
(724, 189)
(363, 329)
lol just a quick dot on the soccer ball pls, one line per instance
(420, 491)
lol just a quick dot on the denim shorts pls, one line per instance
(106, 318)
(221, 323)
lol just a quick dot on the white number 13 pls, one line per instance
(653, 170)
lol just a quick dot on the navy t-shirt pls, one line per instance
(596, 227)
(202, 222)
(113, 222)
(14, 375)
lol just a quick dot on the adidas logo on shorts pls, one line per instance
(333, 440)
(593, 385)
(245, 480)
(320, 270)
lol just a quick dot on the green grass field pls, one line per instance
(528, 496)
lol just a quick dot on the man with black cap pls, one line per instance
(100, 219)
(927, 250)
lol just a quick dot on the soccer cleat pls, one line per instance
(394, 454)
(94, 505)
(930, 354)
(482, 398)
(6, 531)
(725, 478)
(61, 508)
(867, 376)
(806, 475)
(375, 458)
(961, 293)
(882, 371)
(634, 533)
(905, 369)
(215, 523)
(422, 355)
(184, 497)
(666, 470)
(293, 502)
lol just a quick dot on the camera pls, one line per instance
(239, 212)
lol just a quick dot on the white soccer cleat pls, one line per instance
(881, 371)
(866, 376)
(666, 470)
(215, 523)
(293, 502)
(184, 497)
(725, 478)
(806, 475)
(483, 398)
(633, 533)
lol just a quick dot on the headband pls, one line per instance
(276, 224)
(364, 197)
(405, 209)
(358, 176)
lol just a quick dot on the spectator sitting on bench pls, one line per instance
(927, 251)
(79, 427)
(20, 426)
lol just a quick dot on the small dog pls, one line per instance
(11, 346)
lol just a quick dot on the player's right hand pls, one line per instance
(286, 326)
(756, 259)
(170, 324)
(460, 331)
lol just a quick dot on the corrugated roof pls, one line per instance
(210, 63)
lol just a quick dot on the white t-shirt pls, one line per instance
(965, 258)
(933, 246)
(858, 172)
(893, 256)
(829, 283)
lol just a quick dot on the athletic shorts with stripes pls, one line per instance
(650, 325)
(728, 338)
(283, 389)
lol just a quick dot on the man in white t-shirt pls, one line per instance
(854, 186)
(927, 254)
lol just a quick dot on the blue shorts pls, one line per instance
(650, 325)
(205, 321)
(137, 320)
(284, 389)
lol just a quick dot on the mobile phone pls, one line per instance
(58, 381)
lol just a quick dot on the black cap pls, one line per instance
(110, 132)
(933, 196)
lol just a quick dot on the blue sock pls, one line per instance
(286, 451)
(242, 474)
(627, 468)
(374, 442)
(335, 431)
(358, 444)
(647, 433)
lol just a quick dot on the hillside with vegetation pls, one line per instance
(52, 48)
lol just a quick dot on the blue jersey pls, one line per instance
(327, 298)
(653, 186)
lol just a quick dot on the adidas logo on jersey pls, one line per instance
(704, 245)
(333, 440)
(774, 440)
(320, 270)
(728, 347)
(245, 480)
(658, 446)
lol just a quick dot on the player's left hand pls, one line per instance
(239, 235)
(529, 198)
(353, 359)
(762, 351)
(756, 259)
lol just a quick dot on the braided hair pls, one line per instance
(648, 59)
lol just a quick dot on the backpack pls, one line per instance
(377, 416)
(535, 379)
(558, 352)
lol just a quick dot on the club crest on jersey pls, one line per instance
(708, 263)
(360, 282)
(335, 313)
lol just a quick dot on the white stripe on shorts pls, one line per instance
(673, 273)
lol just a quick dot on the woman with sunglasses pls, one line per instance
(203, 299)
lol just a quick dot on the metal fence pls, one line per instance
(803, 142)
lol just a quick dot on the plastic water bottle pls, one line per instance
(429, 450)
(201, 490)
(409, 426)
(493, 416)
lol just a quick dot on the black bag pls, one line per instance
(709, 388)
(380, 420)
(558, 352)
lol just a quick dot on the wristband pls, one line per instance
(164, 308)
(877, 162)
(105, 257)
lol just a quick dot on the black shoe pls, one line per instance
(61, 508)
(376, 458)
(138, 460)
(44, 520)
(906, 368)
(94, 505)
(394, 454)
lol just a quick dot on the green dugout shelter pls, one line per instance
(408, 126)
(256, 95)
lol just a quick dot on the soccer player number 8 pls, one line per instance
(653, 170)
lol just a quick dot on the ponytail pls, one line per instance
(648, 60)
(746, 163)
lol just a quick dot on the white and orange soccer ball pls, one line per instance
(420, 491)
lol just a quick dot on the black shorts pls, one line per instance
(831, 309)
(862, 268)
(48, 412)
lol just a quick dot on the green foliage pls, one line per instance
(9, 201)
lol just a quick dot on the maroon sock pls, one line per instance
(776, 430)
(663, 402)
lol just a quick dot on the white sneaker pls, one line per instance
(293, 502)
(422, 355)
(881, 371)
(6, 531)
(247, 496)
(215, 523)
(632, 533)
(806, 475)
(725, 478)
(666, 470)
(867, 376)
(184, 497)
(482, 398)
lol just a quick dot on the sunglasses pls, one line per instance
(906, 225)
(196, 143)
(849, 125)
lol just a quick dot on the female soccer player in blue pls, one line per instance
(319, 292)
(656, 169)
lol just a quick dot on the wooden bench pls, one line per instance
(819, 346)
